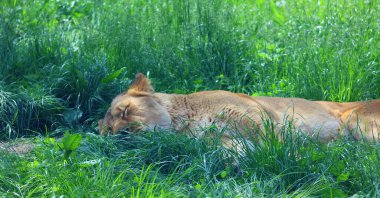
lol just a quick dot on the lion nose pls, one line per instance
(114, 128)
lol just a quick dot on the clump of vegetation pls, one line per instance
(84, 52)
(26, 111)
(159, 163)
(62, 62)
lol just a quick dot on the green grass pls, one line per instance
(62, 62)
(164, 164)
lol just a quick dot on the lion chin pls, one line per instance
(140, 108)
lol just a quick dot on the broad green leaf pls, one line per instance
(111, 77)
(71, 141)
(343, 177)
(224, 174)
(72, 116)
(337, 168)
(333, 192)
(198, 186)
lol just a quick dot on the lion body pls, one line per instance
(321, 120)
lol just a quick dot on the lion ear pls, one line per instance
(141, 84)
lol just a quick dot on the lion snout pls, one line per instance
(103, 128)
(106, 128)
(116, 126)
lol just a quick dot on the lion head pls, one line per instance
(135, 109)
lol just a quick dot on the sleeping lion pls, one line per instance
(140, 108)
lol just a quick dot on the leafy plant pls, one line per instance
(70, 143)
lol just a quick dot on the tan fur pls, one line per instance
(324, 121)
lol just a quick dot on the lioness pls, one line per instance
(141, 108)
